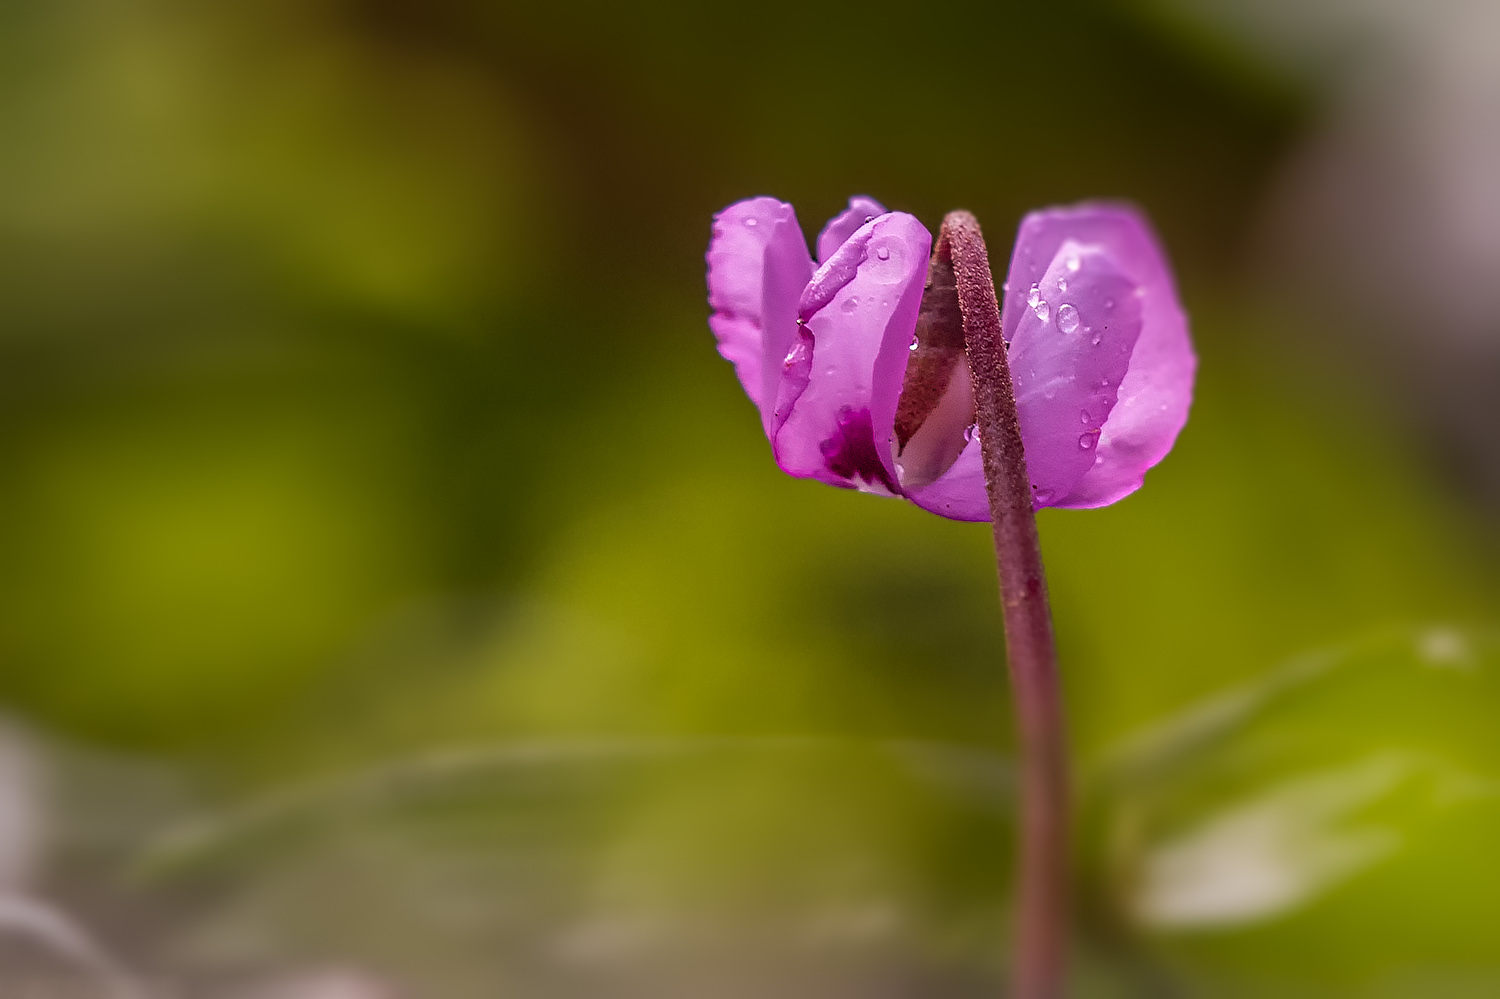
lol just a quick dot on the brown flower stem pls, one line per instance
(1041, 910)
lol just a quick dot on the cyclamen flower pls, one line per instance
(859, 386)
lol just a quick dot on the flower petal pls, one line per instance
(958, 494)
(1152, 398)
(839, 228)
(758, 265)
(861, 311)
(1069, 351)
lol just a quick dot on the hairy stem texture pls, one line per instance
(1042, 886)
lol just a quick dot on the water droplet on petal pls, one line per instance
(751, 223)
(1062, 284)
(1096, 340)
(1067, 318)
(850, 304)
(1072, 263)
(971, 432)
(1043, 310)
(1034, 297)
(913, 344)
(869, 218)
(884, 253)
(1086, 441)
(1083, 416)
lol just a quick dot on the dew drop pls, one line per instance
(1034, 297)
(971, 432)
(1086, 441)
(1072, 263)
(869, 218)
(884, 253)
(1083, 416)
(1096, 340)
(850, 304)
(1043, 311)
(1067, 318)
(913, 344)
(751, 223)
(1062, 284)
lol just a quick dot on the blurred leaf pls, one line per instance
(814, 867)
(1261, 842)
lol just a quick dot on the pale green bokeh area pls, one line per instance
(1272, 821)
(373, 491)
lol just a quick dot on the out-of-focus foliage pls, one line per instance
(1261, 841)
(357, 403)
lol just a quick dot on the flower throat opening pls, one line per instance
(936, 407)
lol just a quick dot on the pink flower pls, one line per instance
(850, 393)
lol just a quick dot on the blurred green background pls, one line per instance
(395, 580)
